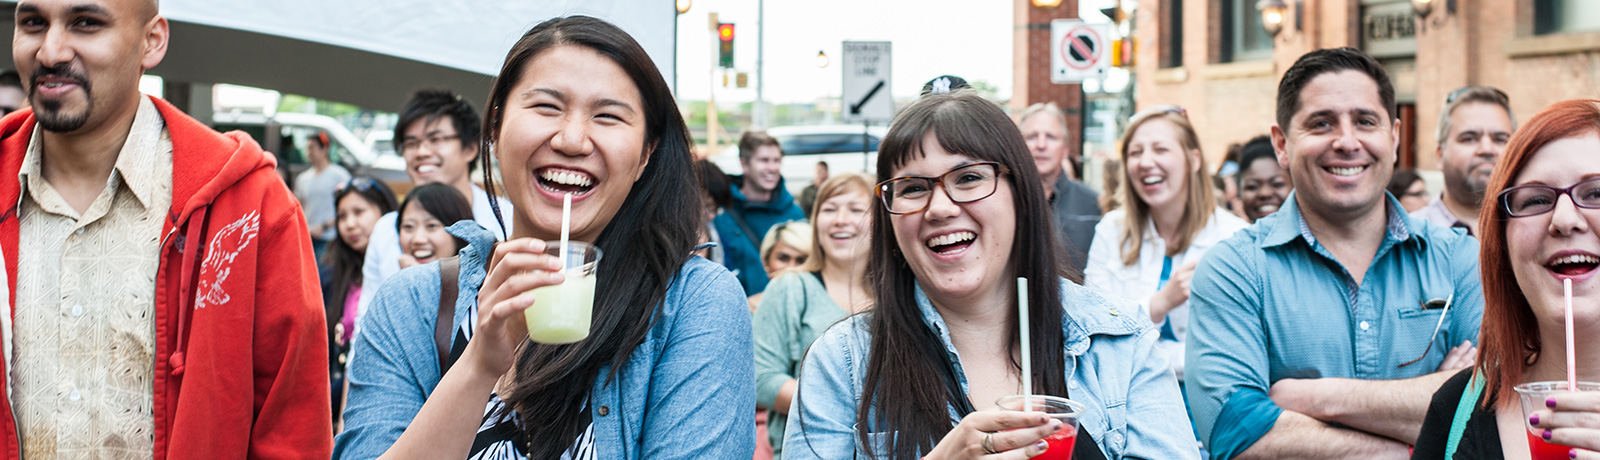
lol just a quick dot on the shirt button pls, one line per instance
(77, 310)
(75, 396)
(604, 411)
(79, 231)
(1116, 438)
(1365, 325)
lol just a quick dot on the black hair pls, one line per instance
(11, 78)
(646, 243)
(714, 182)
(343, 260)
(443, 202)
(1323, 61)
(908, 382)
(1402, 180)
(429, 105)
(1257, 148)
(321, 138)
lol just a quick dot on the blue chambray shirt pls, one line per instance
(1272, 303)
(686, 392)
(1113, 368)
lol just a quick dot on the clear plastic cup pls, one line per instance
(1059, 408)
(561, 313)
(1533, 397)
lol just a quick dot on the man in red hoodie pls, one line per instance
(163, 297)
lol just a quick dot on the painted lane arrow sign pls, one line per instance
(855, 109)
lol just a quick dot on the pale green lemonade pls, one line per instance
(561, 313)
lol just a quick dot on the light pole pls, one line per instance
(760, 117)
(822, 64)
(682, 7)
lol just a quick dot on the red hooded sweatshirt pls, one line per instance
(241, 368)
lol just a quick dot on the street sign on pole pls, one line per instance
(866, 82)
(1078, 50)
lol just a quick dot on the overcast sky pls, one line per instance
(968, 38)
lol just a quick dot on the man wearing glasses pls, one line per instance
(1474, 127)
(437, 134)
(1323, 330)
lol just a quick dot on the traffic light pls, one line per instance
(1122, 51)
(725, 50)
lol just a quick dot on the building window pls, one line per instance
(1556, 16)
(1243, 37)
(1171, 33)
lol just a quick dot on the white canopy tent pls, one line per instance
(374, 53)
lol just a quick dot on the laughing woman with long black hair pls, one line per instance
(666, 371)
(961, 215)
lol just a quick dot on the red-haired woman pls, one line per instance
(1540, 229)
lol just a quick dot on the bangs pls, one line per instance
(987, 137)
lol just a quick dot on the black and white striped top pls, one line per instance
(498, 435)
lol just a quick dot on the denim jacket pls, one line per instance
(1112, 363)
(687, 391)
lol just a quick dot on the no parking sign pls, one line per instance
(1078, 50)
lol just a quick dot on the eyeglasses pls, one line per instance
(433, 142)
(966, 184)
(1533, 200)
(360, 183)
(1429, 305)
(1160, 109)
(1451, 98)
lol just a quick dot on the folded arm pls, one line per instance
(1296, 435)
(1392, 409)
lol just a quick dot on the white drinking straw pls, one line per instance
(1027, 353)
(566, 226)
(1572, 359)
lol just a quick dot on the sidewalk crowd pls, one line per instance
(171, 298)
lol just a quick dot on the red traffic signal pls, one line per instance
(725, 32)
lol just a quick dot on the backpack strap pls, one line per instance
(738, 218)
(1458, 425)
(449, 275)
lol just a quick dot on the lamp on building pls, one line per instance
(822, 59)
(1047, 3)
(683, 5)
(1424, 7)
(1274, 13)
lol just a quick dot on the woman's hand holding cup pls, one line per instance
(997, 434)
(517, 267)
(1571, 419)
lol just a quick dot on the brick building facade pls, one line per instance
(1213, 58)
(1031, 76)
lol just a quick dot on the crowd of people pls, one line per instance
(171, 297)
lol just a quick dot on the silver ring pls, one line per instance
(988, 443)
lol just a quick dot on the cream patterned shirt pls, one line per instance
(84, 340)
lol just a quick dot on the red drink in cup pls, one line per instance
(1544, 450)
(1063, 409)
(1533, 397)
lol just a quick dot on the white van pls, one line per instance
(285, 134)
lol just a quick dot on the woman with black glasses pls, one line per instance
(961, 216)
(1538, 233)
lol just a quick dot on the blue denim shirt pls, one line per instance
(1272, 303)
(687, 391)
(1112, 365)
